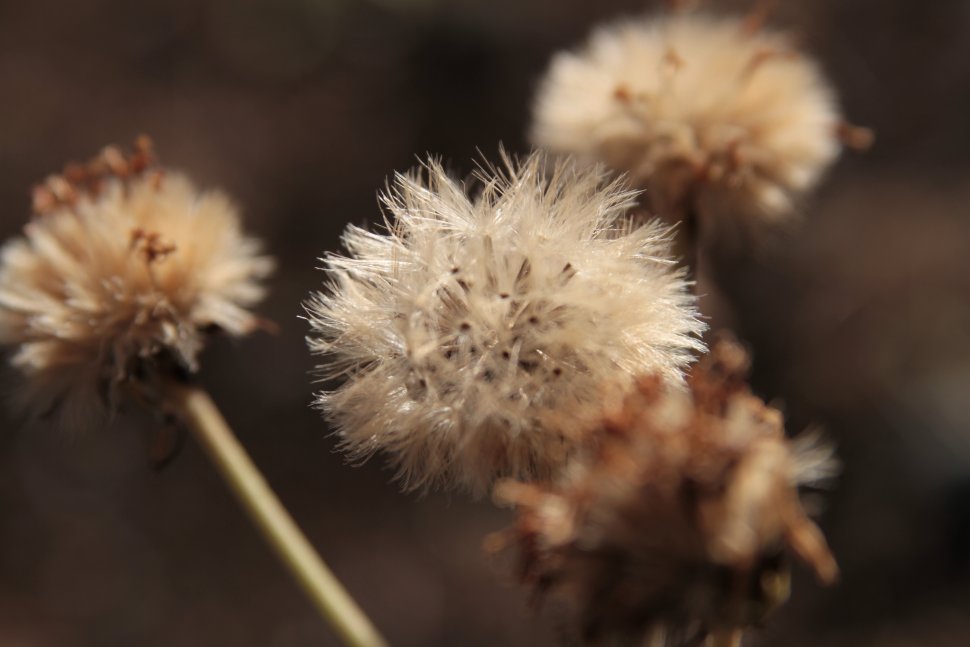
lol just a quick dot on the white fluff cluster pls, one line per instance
(710, 117)
(96, 291)
(476, 335)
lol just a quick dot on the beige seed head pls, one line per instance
(712, 118)
(122, 270)
(473, 338)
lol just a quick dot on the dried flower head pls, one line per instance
(713, 117)
(475, 335)
(676, 525)
(122, 268)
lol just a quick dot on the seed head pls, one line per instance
(475, 335)
(709, 116)
(676, 526)
(121, 270)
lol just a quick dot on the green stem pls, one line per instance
(265, 510)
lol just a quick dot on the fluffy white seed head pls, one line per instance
(710, 117)
(115, 273)
(475, 335)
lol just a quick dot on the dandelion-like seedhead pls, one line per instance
(122, 268)
(475, 335)
(677, 525)
(712, 117)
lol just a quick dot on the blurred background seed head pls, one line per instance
(300, 109)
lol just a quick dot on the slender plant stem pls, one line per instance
(202, 416)
(686, 244)
(726, 638)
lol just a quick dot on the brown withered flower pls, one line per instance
(674, 530)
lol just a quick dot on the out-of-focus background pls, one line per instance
(860, 320)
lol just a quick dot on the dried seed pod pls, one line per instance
(122, 270)
(716, 119)
(677, 524)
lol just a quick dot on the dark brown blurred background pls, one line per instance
(860, 320)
